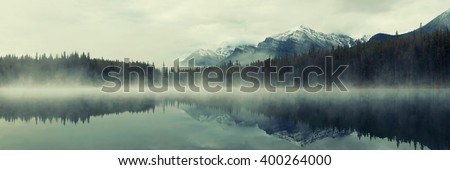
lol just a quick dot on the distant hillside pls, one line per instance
(441, 22)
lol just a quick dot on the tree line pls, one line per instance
(64, 69)
(422, 59)
(417, 60)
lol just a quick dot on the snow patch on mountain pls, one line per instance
(302, 40)
(303, 33)
(203, 57)
(290, 43)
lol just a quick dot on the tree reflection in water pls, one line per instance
(419, 117)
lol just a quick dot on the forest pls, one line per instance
(417, 60)
(63, 69)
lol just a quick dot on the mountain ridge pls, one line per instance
(441, 22)
(299, 40)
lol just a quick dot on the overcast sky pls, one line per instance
(161, 30)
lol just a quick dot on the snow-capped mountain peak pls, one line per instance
(203, 57)
(296, 41)
(204, 52)
(301, 40)
(303, 33)
(296, 33)
(225, 50)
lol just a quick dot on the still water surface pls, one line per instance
(361, 119)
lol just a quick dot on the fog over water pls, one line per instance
(377, 118)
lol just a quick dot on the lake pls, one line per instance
(85, 118)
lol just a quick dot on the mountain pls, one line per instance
(441, 22)
(296, 41)
(245, 54)
(364, 38)
(203, 58)
(206, 57)
(301, 40)
(226, 50)
(380, 37)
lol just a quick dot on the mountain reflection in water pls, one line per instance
(417, 117)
